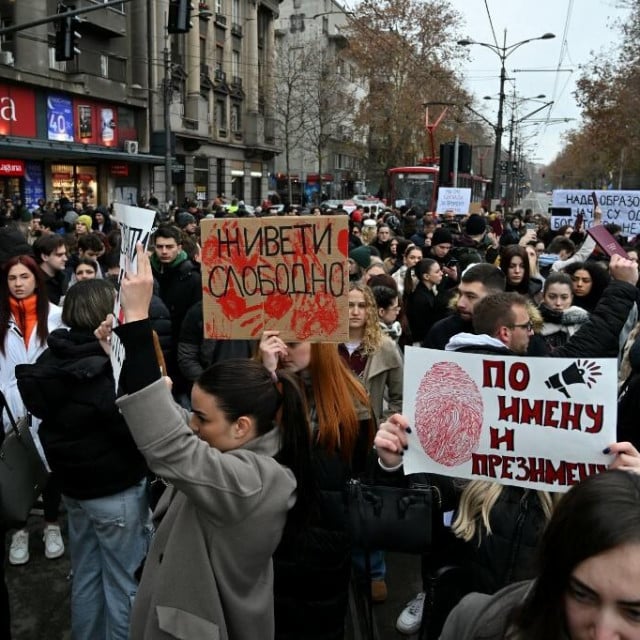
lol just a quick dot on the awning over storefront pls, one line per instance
(14, 147)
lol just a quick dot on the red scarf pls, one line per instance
(25, 314)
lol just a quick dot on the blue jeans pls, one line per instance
(108, 540)
(376, 563)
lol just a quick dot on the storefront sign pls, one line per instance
(11, 168)
(120, 169)
(85, 122)
(17, 112)
(108, 127)
(33, 183)
(59, 119)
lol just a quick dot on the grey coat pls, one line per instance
(479, 616)
(209, 572)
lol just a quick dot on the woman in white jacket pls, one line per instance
(26, 319)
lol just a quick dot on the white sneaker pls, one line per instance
(411, 617)
(19, 549)
(53, 544)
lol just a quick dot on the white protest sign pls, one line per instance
(618, 207)
(539, 423)
(454, 199)
(136, 225)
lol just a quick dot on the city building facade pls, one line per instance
(94, 128)
(326, 159)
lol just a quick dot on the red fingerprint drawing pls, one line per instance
(448, 414)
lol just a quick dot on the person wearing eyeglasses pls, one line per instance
(502, 327)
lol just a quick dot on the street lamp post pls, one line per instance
(168, 157)
(510, 188)
(503, 53)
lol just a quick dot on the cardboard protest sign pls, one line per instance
(276, 273)
(136, 225)
(619, 207)
(454, 199)
(540, 423)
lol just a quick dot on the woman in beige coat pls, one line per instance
(209, 571)
(377, 361)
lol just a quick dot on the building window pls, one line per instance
(236, 118)
(219, 7)
(325, 25)
(220, 176)
(119, 8)
(235, 64)
(235, 11)
(219, 58)
(104, 66)
(221, 115)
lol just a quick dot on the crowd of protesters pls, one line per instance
(243, 450)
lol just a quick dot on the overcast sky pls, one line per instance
(580, 26)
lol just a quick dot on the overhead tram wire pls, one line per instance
(493, 31)
(563, 53)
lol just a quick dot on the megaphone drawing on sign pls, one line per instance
(579, 372)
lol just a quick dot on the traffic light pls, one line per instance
(179, 16)
(67, 38)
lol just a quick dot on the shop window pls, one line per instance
(237, 187)
(219, 176)
(201, 177)
(76, 182)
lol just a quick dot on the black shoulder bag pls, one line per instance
(23, 474)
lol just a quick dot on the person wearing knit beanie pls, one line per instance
(361, 256)
(83, 221)
(441, 236)
(475, 225)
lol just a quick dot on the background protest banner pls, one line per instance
(135, 226)
(618, 207)
(454, 199)
(288, 274)
(539, 423)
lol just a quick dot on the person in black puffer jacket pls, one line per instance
(196, 353)
(101, 474)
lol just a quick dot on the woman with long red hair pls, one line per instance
(26, 319)
(312, 566)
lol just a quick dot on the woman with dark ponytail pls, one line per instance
(236, 466)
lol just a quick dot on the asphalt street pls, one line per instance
(40, 593)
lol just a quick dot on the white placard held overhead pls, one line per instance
(136, 225)
(454, 199)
